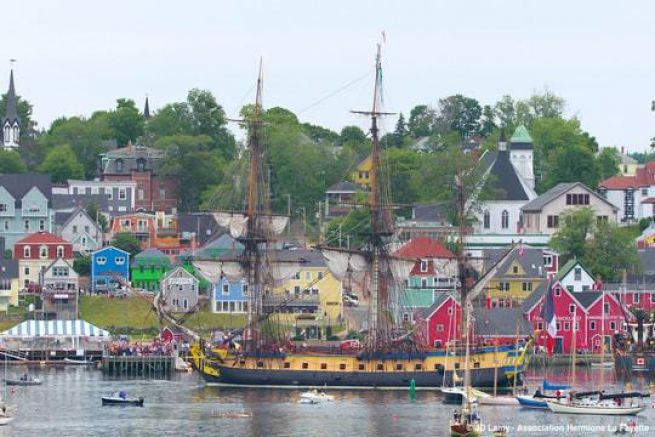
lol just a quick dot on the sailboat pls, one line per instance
(387, 359)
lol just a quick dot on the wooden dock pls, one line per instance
(138, 366)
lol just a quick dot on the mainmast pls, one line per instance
(378, 229)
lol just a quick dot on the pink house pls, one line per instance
(586, 308)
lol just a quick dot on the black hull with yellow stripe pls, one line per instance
(432, 370)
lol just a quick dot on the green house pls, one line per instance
(148, 268)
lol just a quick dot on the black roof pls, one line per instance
(202, 224)
(72, 201)
(344, 186)
(11, 114)
(647, 259)
(530, 261)
(61, 217)
(501, 321)
(19, 185)
(430, 213)
(507, 184)
(534, 297)
(8, 267)
(586, 298)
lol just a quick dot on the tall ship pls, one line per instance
(388, 356)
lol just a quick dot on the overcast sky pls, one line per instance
(74, 57)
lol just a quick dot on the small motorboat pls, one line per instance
(82, 362)
(121, 398)
(24, 379)
(603, 365)
(315, 397)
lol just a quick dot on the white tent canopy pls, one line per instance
(55, 328)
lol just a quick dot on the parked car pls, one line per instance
(350, 302)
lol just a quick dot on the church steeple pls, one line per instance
(146, 109)
(11, 121)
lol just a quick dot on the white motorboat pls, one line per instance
(605, 407)
(315, 397)
(603, 365)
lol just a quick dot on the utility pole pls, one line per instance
(340, 234)
(320, 222)
(289, 214)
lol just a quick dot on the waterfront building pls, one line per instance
(230, 296)
(633, 195)
(575, 277)
(180, 290)
(78, 228)
(148, 269)
(141, 165)
(60, 276)
(9, 280)
(59, 291)
(110, 269)
(637, 291)
(585, 308)
(440, 324)
(11, 122)
(542, 215)
(35, 253)
(518, 276)
(434, 273)
(25, 206)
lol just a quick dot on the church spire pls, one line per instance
(11, 122)
(11, 114)
(146, 109)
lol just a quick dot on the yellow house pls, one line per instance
(516, 278)
(627, 164)
(361, 175)
(313, 295)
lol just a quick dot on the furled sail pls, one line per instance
(214, 271)
(341, 262)
(400, 268)
(237, 223)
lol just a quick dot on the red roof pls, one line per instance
(424, 247)
(644, 177)
(649, 200)
(42, 237)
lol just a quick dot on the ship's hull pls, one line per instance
(431, 379)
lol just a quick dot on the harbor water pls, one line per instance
(68, 404)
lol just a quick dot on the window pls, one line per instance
(612, 326)
(558, 291)
(87, 229)
(577, 199)
(527, 286)
(552, 221)
(101, 260)
(450, 311)
(504, 286)
(559, 326)
(6, 225)
(635, 298)
(140, 164)
(548, 260)
(439, 327)
(162, 192)
(424, 282)
(27, 225)
(119, 165)
(320, 275)
(652, 298)
(3, 207)
(571, 309)
(323, 366)
(418, 366)
(602, 218)
(592, 325)
(577, 274)
(629, 204)
(296, 290)
(43, 252)
(380, 366)
(405, 317)
(540, 326)
(486, 220)
(424, 265)
(140, 193)
(644, 191)
(567, 326)
(74, 229)
(244, 289)
(26, 252)
(121, 194)
(41, 225)
(504, 219)
(399, 367)
(60, 251)
(308, 275)
(119, 260)
(515, 269)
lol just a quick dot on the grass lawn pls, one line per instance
(205, 321)
(130, 312)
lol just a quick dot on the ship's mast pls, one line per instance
(378, 230)
(253, 237)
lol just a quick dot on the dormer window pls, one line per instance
(119, 165)
(578, 274)
(27, 253)
(43, 252)
(60, 251)
(424, 265)
(141, 164)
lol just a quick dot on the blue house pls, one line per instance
(230, 297)
(110, 269)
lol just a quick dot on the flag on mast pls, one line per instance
(548, 315)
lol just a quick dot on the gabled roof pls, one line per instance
(424, 247)
(63, 218)
(68, 201)
(202, 224)
(501, 321)
(177, 270)
(18, 185)
(587, 298)
(507, 182)
(60, 261)
(440, 299)
(344, 187)
(534, 297)
(42, 237)
(150, 253)
(644, 177)
(109, 248)
(430, 213)
(531, 261)
(558, 190)
(566, 268)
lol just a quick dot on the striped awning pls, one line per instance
(55, 328)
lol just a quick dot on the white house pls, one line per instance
(574, 277)
(542, 215)
(80, 229)
(633, 195)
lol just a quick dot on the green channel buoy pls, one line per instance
(412, 390)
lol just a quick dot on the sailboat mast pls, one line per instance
(374, 206)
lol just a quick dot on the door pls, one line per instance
(185, 304)
(559, 345)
